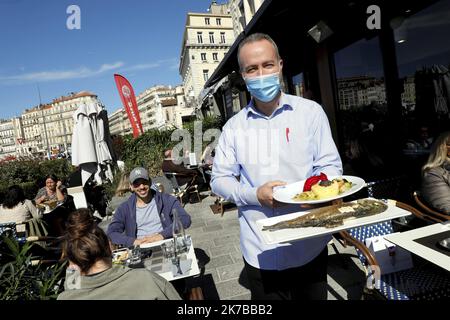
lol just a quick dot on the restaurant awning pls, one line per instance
(288, 22)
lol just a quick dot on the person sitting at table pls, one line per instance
(16, 208)
(147, 214)
(91, 274)
(436, 175)
(188, 174)
(122, 193)
(53, 190)
(422, 140)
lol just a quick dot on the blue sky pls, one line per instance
(140, 39)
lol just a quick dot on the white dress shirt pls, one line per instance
(292, 144)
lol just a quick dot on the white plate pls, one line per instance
(289, 235)
(286, 193)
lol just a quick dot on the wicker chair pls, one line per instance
(433, 215)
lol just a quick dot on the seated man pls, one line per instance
(188, 174)
(147, 214)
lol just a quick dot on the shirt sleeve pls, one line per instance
(184, 217)
(226, 169)
(326, 156)
(117, 227)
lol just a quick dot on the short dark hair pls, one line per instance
(254, 38)
(13, 197)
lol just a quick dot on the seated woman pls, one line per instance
(436, 175)
(53, 190)
(16, 208)
(91, 274)
(123, 192)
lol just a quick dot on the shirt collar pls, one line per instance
(284, 104)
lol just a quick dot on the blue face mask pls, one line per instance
(264, 88)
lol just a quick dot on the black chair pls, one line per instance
(186, 189)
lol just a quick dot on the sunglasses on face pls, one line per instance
(138, 182)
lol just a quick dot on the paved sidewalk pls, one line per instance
(216, 239)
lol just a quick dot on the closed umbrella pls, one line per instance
(100, 127)
(90, 149)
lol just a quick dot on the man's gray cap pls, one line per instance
(138, 173)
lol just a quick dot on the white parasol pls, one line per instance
(90, 149)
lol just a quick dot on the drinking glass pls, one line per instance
(168, 250)
(135, 255)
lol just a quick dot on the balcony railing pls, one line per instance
(218, 43)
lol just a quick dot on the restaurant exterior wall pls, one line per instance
(395, 90)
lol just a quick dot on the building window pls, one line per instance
(222, 37)
(215, 58)
(211, 37)
(203, 55)
(218, 21)
(205, 75)
(199, 37)
(207, 21)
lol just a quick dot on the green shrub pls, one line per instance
(20, 280)
(147, 149)
(30, 174)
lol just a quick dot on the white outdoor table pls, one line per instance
(406, 241)
(157, 264)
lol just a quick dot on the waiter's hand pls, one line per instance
(265, 194)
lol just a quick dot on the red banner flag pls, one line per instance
(129, 102)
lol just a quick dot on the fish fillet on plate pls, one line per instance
(327, 220)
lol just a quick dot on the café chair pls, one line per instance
(34, 227)
(44, 247)
(422, 281)
(433, 215)
(187, 189)
(8, 229)
(221, 203)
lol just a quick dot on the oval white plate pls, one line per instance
(286, 193)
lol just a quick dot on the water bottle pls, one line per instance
(179, 236)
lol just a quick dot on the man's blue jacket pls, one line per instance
(123, 228)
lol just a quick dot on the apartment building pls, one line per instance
(160, 107)
(44, 129)
(242, 11)
(206, 39)
(7, 138)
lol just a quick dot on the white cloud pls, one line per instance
(82, 72)
(85, 72)
(157, 64)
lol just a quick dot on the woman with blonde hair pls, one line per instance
(436, 175)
